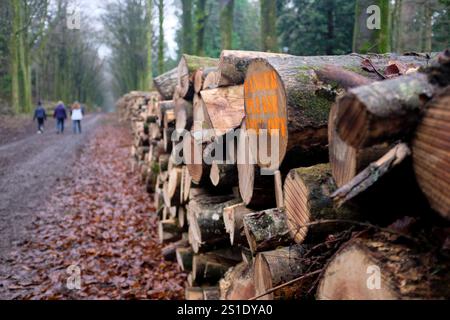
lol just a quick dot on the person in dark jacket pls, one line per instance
(60, 115)
(40, 116)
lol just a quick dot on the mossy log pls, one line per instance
(382, 111)
(381, 268)
(166, 83)
(274, 268)
(186, 71)
(431, 153)
(307, 193)
(266, 230)
(285, 97)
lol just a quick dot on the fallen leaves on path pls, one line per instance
(102, 223)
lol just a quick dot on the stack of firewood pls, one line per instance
(337, 208)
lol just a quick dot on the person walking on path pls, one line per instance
(77, 115)
(60, 115)
(40, 116)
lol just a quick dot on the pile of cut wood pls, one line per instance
(351, 201)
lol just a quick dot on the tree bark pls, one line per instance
(266, 230)
(233, 65)
(166, 84)
(403, 272)
(273, 268)
(383, 111)
(283, 94)
(205, 215)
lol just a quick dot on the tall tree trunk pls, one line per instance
(14, 44)
(161, 37)
(368, 35)
(330, 27)
(149, 72)
(200, 17)
(187, 26)
(269, 25)
(226, 24)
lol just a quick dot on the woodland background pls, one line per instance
(42, 59)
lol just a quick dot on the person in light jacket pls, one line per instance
(77, 116)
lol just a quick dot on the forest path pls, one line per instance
(29, 168)
(75, 204)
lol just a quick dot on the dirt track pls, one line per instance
(29, 168)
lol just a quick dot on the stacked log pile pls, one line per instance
(353, 200)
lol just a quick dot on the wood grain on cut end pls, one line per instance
(431, 154)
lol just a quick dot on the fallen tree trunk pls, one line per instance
(283, 94)
(200, 117)
(381, 268)
(166, 83)
(431, 153)
(307, 193)
(186, 71)
(266, 230)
